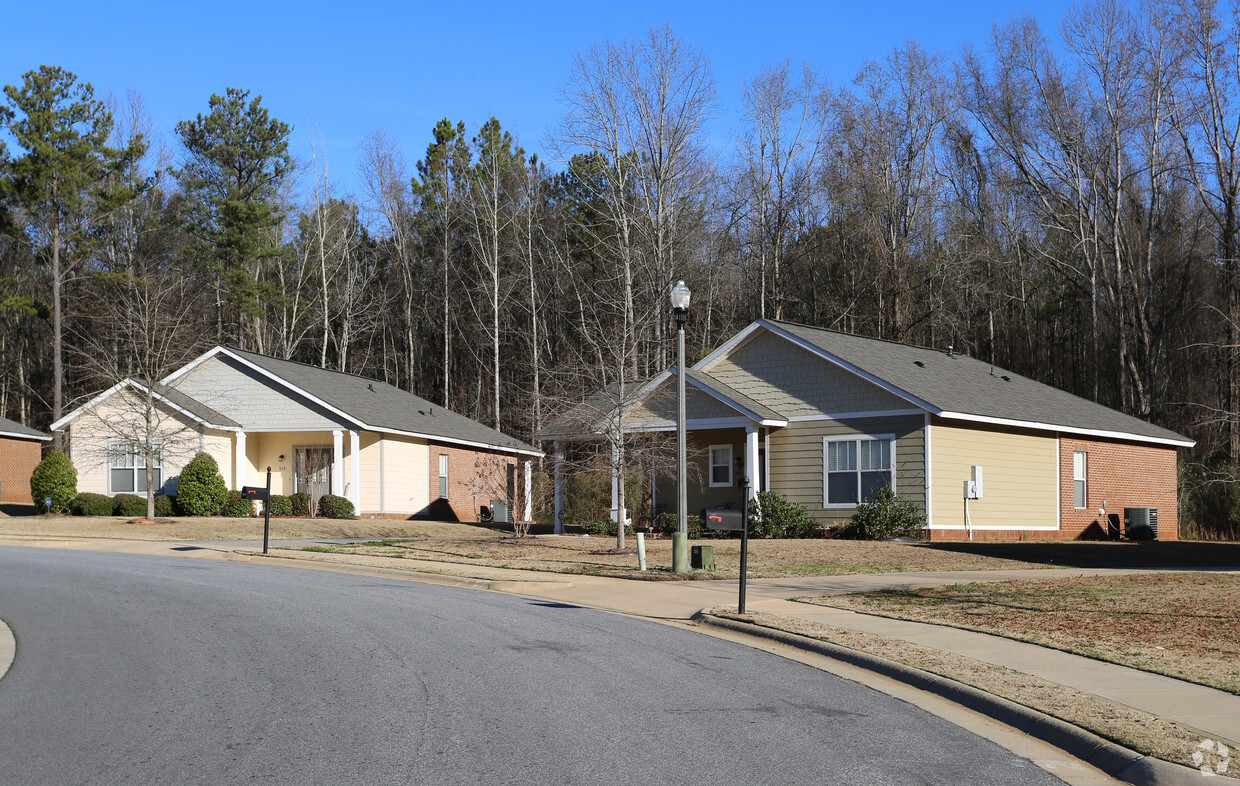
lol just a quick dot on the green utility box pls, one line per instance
(702, 557)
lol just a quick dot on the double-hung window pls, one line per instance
(720, 465)
(443, 475)
(127, 468)
(1079, 467)
(855, 468)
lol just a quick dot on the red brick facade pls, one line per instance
(475, 476)
(18, 458)
(1118, 475)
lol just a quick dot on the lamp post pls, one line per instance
(680, 540)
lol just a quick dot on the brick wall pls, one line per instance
(1123, 475)
(18, 458)
(471, 470)
(1119, 474)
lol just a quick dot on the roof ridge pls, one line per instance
(313, 367)
(876, 338)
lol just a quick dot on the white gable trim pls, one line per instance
(124, 383)
(741, 408)
(1124, 435)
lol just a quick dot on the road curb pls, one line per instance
(8, 648)
(1114, 760)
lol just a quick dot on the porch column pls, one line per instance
(355, 471)
(615, 483)
(559, 488)
(338, 463)
(751, 459)
(239, 461)
(529, 491)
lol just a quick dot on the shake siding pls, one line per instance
(795, 382)
(797, 469)
(254, 400)
(1019, 487)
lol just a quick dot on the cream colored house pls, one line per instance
(825, 418)
(390, 452)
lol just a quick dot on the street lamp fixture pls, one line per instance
(680, 540)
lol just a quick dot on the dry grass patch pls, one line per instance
(1183, 625)
(767, 558)
(1125, 726)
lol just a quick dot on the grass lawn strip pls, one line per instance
(1180, 624)
(1122, 725)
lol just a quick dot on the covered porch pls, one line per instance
(300, 460)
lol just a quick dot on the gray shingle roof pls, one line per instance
(379, 405)
(195, 407)
(709, 383)
(13, 428)
(585, 418)
(961, 384)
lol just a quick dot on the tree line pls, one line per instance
(1060, 203)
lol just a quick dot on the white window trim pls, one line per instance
(444, 464)
(1084, 479)
(139, 454)
(855, 438)
(710, 466)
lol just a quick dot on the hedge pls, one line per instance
(89, 504)
(333, 507)
(128, 505)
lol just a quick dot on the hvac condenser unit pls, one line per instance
(1141, 523)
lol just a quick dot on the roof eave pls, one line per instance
(1087, 432)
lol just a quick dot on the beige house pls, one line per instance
(826, 418)
(390, 452)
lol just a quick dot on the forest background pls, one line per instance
(1062, 204)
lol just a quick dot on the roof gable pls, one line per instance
(15, 430)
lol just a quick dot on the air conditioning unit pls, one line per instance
(1141, 523)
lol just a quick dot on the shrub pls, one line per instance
(54, 478)
(201, 490)
(128, 505)
(237, 507)
(667, 525)
(300, 503)
(280, 505)
(605, 527)
(89, 504)
(164, 506)
(886, 516)
(777, 517)
(333, 507)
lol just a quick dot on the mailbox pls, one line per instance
(723, 519)
(255, 492)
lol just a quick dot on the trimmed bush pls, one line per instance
(201, 490)
(128, 505)
(237, 507)
(886, 516)
(280, 505)
(300, 503)
(164, 506)
(333, 507)
(666, 524)
(55, 478)
(776, 516)
(89, 504)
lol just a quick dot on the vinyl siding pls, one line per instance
(797, 469)
(254, 401)
(1019, 487)
(406, 469)
(796, 383)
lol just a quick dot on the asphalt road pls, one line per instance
(153, 670)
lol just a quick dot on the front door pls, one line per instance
(313, 472)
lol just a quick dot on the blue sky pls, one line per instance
(340, 71)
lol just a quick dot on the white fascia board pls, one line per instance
(454, 441)
(133, 383)
(15, 435)
(77, 413)
(726, 347)
(849, 367)
(1036, 426)
(193, 364)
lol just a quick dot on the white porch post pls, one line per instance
(337, 462)
(751, 458)
(529, 491)
(355, 471)
(615, 483)
(559, 488)
(239, 461)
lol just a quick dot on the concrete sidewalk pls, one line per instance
(1213, 713)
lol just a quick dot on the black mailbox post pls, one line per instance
(726, 519)
(263, 494)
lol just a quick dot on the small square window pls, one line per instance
(720, 465)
